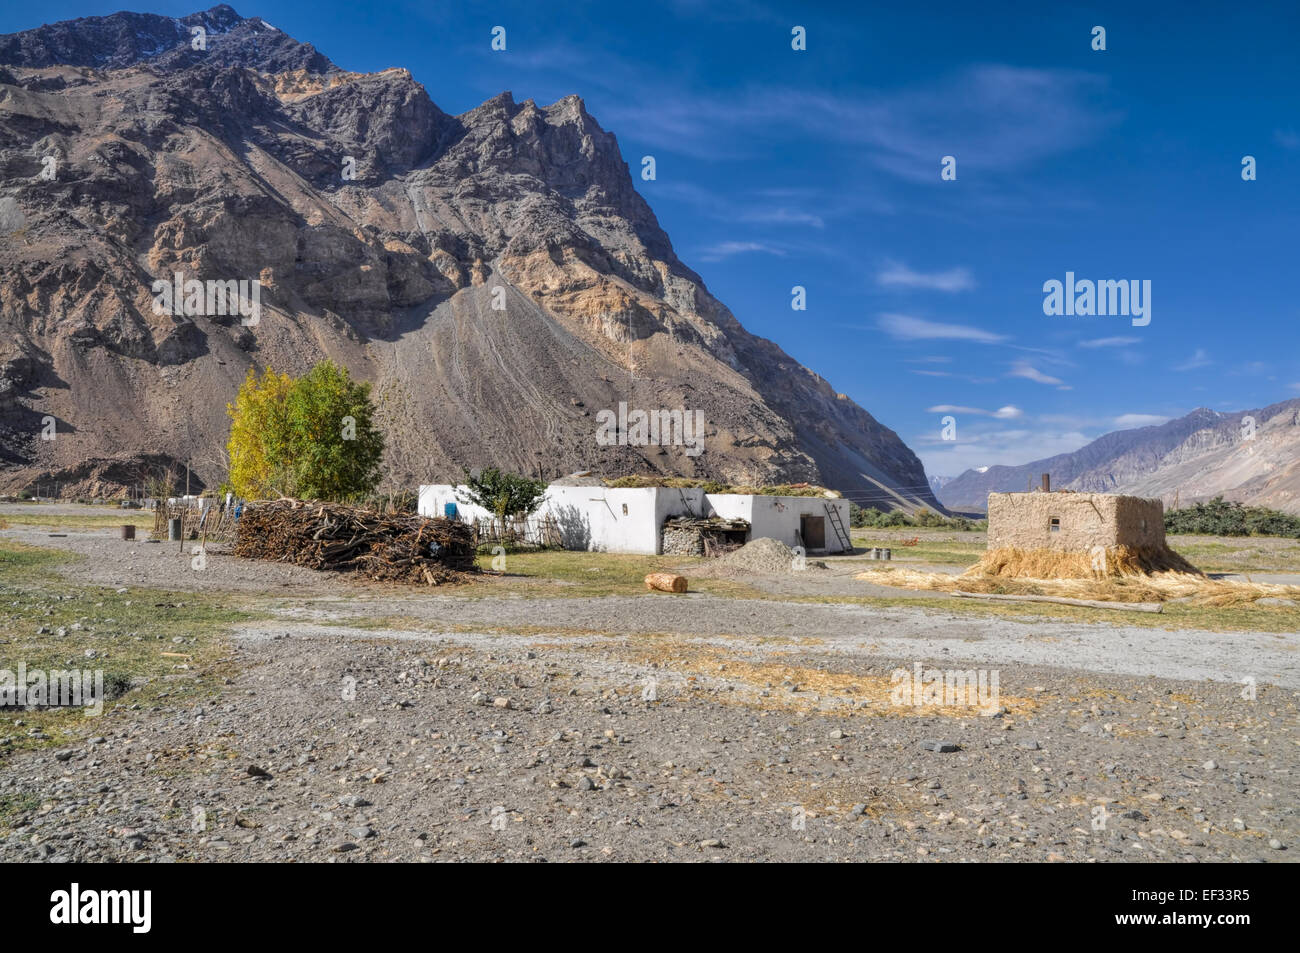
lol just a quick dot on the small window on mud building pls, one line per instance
(1056, 524)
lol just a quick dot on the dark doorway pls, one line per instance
(813, 531)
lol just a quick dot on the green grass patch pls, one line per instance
(142, 520)
(563, 573)
(1248, 555)
(941, 552)
(50, 624)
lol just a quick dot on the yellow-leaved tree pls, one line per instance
(259, 465)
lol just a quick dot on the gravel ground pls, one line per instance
(368, 723)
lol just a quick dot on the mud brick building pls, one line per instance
(1074, 522)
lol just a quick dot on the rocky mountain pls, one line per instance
(1252, 456)
(495, 274)
(938, 482)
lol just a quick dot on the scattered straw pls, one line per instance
(1155, 587)
(1121, 561)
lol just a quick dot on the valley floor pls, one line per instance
(563, 713)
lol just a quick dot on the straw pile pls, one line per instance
(331, 536)
(1009, 562)
(1157, 587)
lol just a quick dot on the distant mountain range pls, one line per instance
(1252, 456)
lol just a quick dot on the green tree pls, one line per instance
(505, 494)
(333, 444)
(257, 429)
(313, 437)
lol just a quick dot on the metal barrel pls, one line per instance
(174, 529)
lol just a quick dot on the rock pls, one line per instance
(1274, 843)
(503, 703)
(1209, 766)
(255, 771)
(944, 747)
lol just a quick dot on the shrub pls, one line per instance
(1219, 517)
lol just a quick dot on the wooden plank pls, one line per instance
(1061, 600)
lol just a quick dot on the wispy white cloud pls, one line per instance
(907, 328)
(1130, 421)
(1287, 138)
(896, 274)
(1029, 372)
(976, 447)
(991, 117)
(782, 216)
(1009, 412)
(724, 250)
(1109, 342)
(1197, 360)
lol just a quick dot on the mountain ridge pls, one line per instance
(1203, 454)
(226, 164)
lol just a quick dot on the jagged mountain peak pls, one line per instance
(122, 40)
(496, 274)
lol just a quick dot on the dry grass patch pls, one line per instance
(815, 685)
(1126, 583)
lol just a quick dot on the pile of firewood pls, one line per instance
(396, 547)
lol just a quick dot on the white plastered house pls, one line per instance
(630, 520)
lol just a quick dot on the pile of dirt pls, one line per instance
(764, 555)
(332, 536)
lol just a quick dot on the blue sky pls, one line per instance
(821, 168)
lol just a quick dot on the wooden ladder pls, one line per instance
(838, 525)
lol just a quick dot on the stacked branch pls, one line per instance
(332, 536)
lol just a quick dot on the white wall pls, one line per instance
(432, 498)
(595, 518)
(778, 517)
(603, 519)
